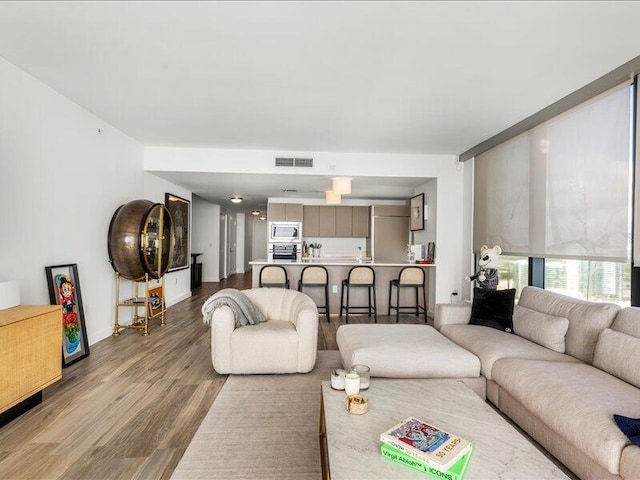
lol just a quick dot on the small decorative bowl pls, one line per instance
(357, 404)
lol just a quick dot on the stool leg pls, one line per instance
(347, 307)
(341, 299)
(326, 301)
(424, 295)
(398, 304)
(369, 305)
(375, 305)
(389, 309)
(417, 303)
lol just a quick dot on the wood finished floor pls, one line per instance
(130, 409)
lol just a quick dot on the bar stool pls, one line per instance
(316, 276)
(410, 277)
(359, 277)
(273, 276)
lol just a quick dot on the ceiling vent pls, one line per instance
(304, 162)
(294, 162)
(284, 162)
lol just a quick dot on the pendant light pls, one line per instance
(341, 185)
(332, 198)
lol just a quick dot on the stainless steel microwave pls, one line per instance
(285, 232)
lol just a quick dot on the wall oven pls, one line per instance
(284, 251)
(285, 232)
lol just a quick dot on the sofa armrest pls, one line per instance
(306, 322)
(451, 313)
(222, 326)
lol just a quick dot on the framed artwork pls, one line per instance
(64, 290)
(179, 210)
(156, 301)
(417, 212)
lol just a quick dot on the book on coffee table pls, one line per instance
(456, 472)
(426, 443)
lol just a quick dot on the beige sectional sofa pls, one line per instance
(570, 366)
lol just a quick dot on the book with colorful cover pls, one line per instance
(426, 443)
(456, 472)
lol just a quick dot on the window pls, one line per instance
(513, 272)
(590, 280)
(562, 191)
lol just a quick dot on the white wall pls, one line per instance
(430, 232)
(444, 168)
(248, 241)
(206, 237)
(240, 217)
(259, 239)
(60, 183)
(177, 283)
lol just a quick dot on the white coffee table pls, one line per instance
(351, 447)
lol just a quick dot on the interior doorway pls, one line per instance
(222, 262)
(232, 228)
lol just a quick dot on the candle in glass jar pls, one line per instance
(364, 372)
(352, 383)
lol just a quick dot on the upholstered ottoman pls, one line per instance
(408, 351)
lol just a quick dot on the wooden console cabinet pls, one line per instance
(30, 351)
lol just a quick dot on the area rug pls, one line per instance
(261, 427)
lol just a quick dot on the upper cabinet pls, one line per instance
(360, 223)
(330, 221)
(344, 219)
(327, 222)
(284, 212)
(310, 221)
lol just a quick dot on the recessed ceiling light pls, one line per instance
(255, 212)
(262, 217)
(236, 199)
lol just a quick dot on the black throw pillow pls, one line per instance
(493, 308)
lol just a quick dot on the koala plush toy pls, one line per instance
(487, 277)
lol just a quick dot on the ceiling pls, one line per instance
(255, 189)
(395, 77)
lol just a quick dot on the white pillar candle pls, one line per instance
(352, 383)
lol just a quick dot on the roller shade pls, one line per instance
(562, 188)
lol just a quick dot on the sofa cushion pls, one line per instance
(489, 345)
(586, 319)
(575, 400)
(277, 352)
(493, 308)
(630, 463)
(619, 354)
(628, 321)
(540, 328)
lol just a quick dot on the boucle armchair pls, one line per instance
(285, 343)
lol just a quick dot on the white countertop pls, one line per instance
(337, 262)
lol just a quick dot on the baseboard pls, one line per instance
(173, 301)
(95, 337)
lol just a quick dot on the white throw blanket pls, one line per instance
(244, 310)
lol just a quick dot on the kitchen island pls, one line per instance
(338, 269)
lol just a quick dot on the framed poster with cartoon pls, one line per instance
(64, 290)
